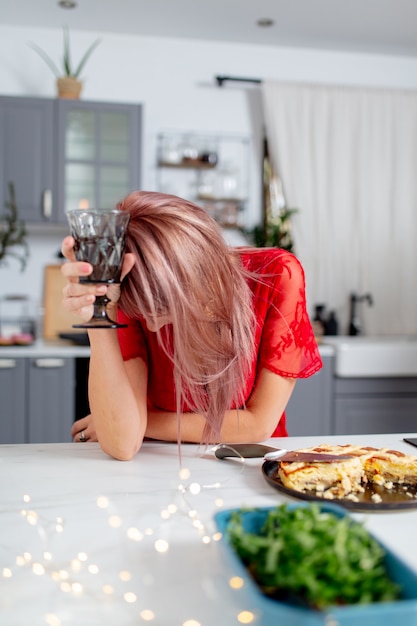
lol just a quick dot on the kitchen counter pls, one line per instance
(60, 348)
(42, 348)
(93, 541)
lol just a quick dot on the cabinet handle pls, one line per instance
(49, 363)
(47, 203)
(7, 364)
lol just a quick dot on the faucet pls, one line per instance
(354, 322)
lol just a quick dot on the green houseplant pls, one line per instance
(13, 233)
(68, 83)
(275, 232)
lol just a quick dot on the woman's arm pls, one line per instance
(254, 423)
(117, 396)
(117, 390)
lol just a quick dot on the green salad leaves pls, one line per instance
(313, 557)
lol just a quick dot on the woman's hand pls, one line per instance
(83, 430)
(78, 298)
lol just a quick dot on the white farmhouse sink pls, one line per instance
(379, 356)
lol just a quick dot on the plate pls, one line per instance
(270, 611)
(391, 499)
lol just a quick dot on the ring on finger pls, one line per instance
(82, 436)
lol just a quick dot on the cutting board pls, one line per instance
(56, 319)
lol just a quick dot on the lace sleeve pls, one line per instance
(288, 346)
(131, 339)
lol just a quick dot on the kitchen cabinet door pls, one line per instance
(375, 405)
(13, 403)
(51, 399)
(375, 415)
(310, 407)
(98, 148)
(26, 155)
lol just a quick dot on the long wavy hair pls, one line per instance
(184, 268)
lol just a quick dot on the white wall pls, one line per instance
(174, 79)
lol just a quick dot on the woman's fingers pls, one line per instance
(76, 269)
(80, 425)
(83, 430)
(79, 298)
(67, 248)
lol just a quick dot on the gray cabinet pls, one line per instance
(26, 154)
(309, 410)
(328, 405)
(61, 154)
(374, 405)
(38, 399)
(13, 401)
(98, 153)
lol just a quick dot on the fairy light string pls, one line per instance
(83, 576)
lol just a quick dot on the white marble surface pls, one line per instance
(51, 518)
(44, 348)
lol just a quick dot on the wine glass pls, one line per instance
(100, 239)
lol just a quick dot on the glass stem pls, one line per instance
(100, 305)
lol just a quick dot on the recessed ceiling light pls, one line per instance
(264, 22)
(67, 4)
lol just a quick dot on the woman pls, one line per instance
(216, 336)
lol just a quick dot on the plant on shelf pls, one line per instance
(68, 83)
(275, 230)
(13, 233)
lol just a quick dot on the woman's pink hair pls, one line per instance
(184, 268)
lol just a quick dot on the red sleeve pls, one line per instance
(132, 339)
(288, 346)
(287, 343)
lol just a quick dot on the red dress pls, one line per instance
(284, 339)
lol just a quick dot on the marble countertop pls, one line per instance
(61, 348)
(89, 540)
(45, 348)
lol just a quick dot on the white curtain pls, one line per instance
(347, 158)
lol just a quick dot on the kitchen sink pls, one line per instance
(374, 356)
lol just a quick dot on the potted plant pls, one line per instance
(68, 83)
(13, 233)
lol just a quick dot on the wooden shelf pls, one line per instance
(189, 165)
(221, 200)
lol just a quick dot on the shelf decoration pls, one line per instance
(215, 172)
(275, 231)
(68, 83)
(13, 233)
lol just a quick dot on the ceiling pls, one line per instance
(370, 26)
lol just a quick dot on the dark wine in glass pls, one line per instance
(100, 239)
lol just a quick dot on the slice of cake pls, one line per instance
(391, 466)
(346, 477)
(334, 479)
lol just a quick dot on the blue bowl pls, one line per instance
(402, 612)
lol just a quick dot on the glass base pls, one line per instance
(100, 318)
(99, 324)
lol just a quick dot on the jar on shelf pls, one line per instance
(170, 152)
(208, 152)
(206, 188)
(188, 149)
(228, 183)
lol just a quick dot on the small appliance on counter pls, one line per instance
(57, 322)
(17, 320)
